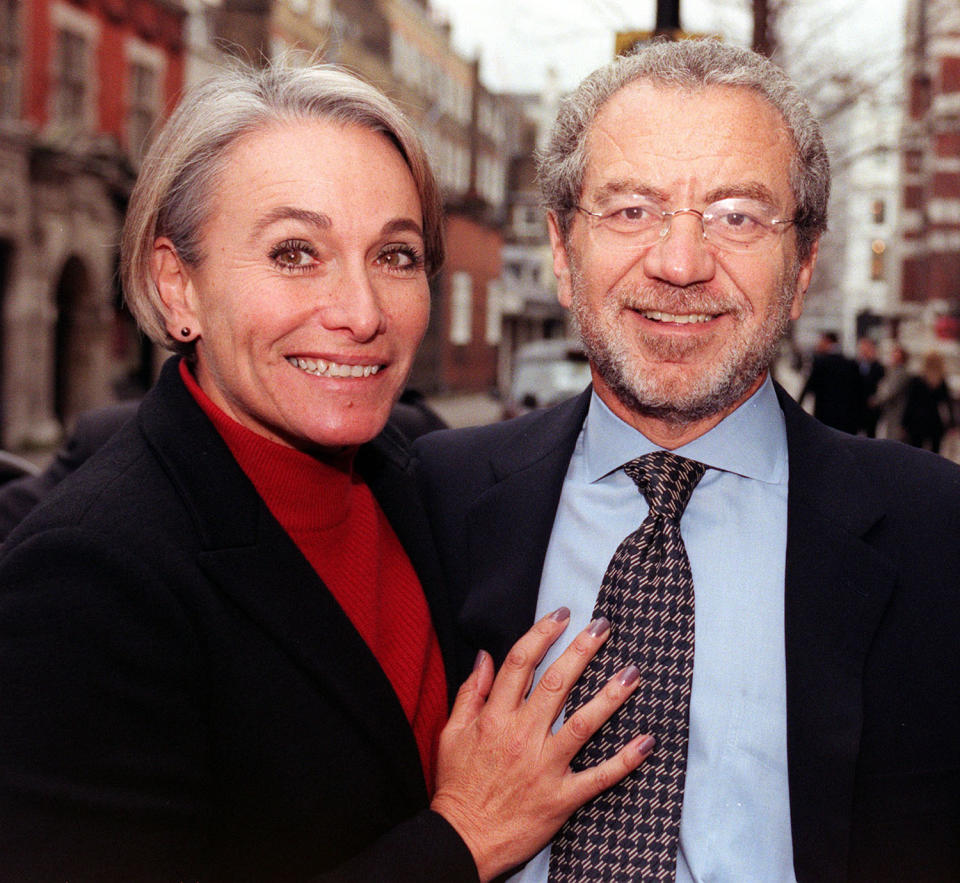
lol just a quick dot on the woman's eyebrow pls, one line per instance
(402, 225)
(290, 212)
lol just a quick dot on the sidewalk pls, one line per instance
(466, 409)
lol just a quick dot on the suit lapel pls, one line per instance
(507, 553)
(387, 467)
(275, 587)
(253, 561)
(837, 587)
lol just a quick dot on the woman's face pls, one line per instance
(312, 297)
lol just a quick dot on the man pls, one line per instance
(687, 188)
(891, 396)
(871, 373)
(836, 386)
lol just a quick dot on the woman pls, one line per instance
(220, 640)
(928, 410)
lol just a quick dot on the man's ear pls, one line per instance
(172, 278)
(804, 275)
(561, 261)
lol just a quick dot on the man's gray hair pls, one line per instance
(691, 65)
(174, 190)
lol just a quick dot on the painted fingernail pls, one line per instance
(561, 614)
(630, 675)
(477, 662)
(646, 745)
(600, 626)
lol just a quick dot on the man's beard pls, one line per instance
(696, 392)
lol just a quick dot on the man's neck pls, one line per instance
(663, 432)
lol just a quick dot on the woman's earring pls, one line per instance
(184, 332)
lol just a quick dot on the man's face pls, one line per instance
(682, 330)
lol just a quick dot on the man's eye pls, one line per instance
(633, 214)
(738, 221)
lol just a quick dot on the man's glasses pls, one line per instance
(731, 224)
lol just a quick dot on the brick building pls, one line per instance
(82, 83)
(931, 157)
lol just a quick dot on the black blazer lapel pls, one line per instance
(837, 587)
(255, 563)
(506, 554)
(387, 467)
(274, 585)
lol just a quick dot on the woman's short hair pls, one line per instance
(173, 193)
(692, 65)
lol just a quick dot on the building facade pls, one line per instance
(855, 290)
(930, 216)
(83, 84)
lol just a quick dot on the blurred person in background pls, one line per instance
(411, 415)
(928, 411)
(891, 395)
(835, 384)
(871, 372)
(92, 430)
(222, 638)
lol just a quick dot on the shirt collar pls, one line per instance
(751, 441)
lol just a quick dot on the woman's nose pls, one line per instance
(354, 306)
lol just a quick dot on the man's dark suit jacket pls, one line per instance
(181, 698)
(872, 621)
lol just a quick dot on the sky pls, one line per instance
(520, 40)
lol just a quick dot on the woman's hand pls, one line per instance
(503, 779)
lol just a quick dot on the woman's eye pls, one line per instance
(294, 255)
(403, 258)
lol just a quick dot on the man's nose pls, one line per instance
(681, 256)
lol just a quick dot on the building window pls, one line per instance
(141, 112)
(70, 85)
(878, 252)
(9, 59)
(494, 312)
(461, 308)
(146, 66)
(879, 211)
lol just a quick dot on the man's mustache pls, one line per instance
(671, 299)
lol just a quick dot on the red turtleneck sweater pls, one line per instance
(335, 521)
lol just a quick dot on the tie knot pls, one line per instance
(666, 480)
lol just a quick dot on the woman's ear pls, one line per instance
(172, 278)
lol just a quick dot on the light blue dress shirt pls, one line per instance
(736, 811)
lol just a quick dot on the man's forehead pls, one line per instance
(649, 128)
(654, 93)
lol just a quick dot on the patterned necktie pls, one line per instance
(631, 831)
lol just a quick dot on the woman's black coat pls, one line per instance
(181, 698)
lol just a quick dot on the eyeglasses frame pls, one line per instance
(666, 225)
